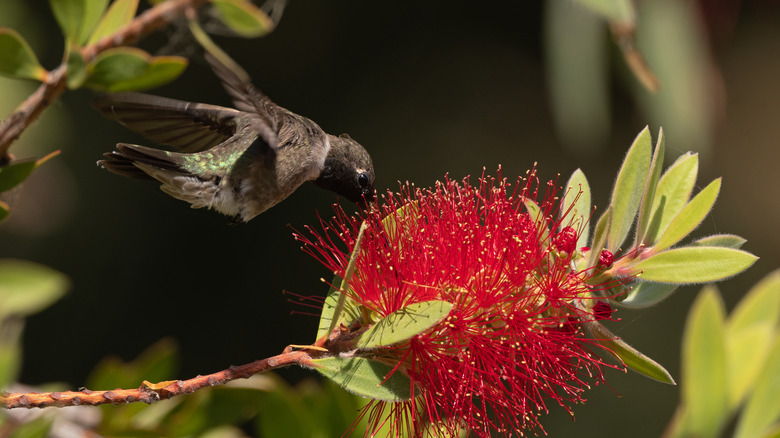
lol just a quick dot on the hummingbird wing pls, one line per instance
(243, 93)
(186, 126)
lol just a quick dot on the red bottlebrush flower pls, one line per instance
(512, 343)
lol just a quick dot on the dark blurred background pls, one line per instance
(429, 88)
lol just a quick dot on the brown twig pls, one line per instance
(149, 393)
(55, 83)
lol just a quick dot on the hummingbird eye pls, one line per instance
(363, 180)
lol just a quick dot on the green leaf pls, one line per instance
(539, 219)
(762, 410)
(10, 353)
(704, 370)
(390, 222)
(349, 314)
(648, 293)
(620, 11)
(341, 302)
(627, 193)
(93, 10)
(689, 217)
(27, 287)
(577, 198)
(645, 207)
(69, 14)
(365, 377)
(404, 324)
(724, 240)
(118, 15)
(156, 363)
(77, 71)
(628, 354)
(129, 68)
(14, 174)
(749, 335)
(694, 264)
(599, 237)
(243, 17)
(17, 59)
(674, 190)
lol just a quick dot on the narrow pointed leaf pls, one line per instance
(93, 10)
(646, 206)
(17, 59)
(723, 240)
(630, 356)
(118, 15)
(341, 302)
(704, 371)
(70, 15)
(539, 219)
(243, 17)
(599, 237)
(674, 190)
(578, 198)
(390, 222)
(404, 323)
(365, 377)
(694, 264)
(762, 411)
(629, 186)
(648, 293)
(13, 174)
(27, 287)
(689, 217)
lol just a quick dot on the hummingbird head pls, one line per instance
(348, 170)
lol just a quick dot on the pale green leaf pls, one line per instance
(576, 201)
(619, 11)
(762, 410)
(648, 293)
(93, 10)
(70, 15)
(404, 323)
(746, 351)
(401, 214)
(10, 362)
(118, 15)
(539, 219)
(243, 17)
(17, 59)
(628, 190)
(761, 305)
(724, 240)
(674, 190)
(645, 207)
(365, 377)
(27, 287)
(630, 356)
(750, 330)
(694, 264)
(704, 372)
(689, 217)
(5, 210)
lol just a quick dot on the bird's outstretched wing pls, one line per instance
(243, 93)
(185, 126)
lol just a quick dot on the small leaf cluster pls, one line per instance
(84, 23)
(14, 174)
(731, 364)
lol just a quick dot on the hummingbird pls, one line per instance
(238, 161)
